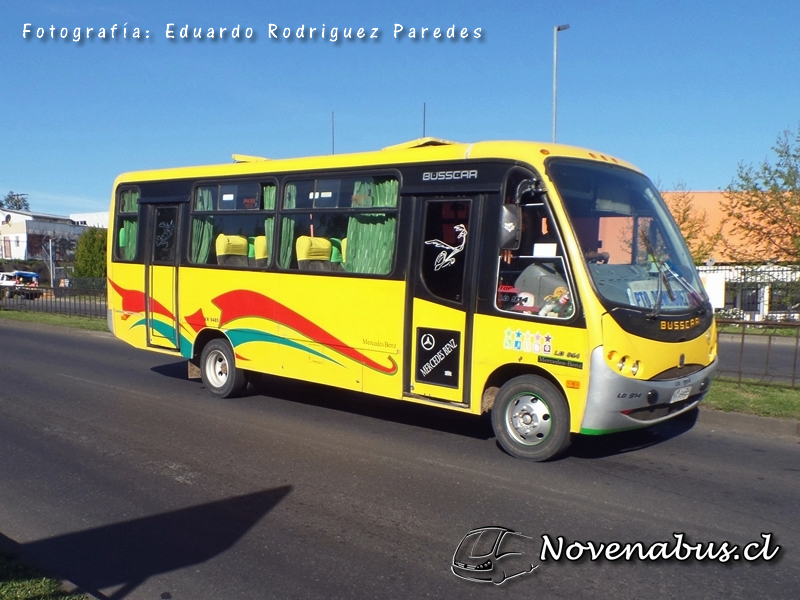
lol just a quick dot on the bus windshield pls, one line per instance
(635, 252)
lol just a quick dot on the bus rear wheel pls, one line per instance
(530, 418)
(219, 372)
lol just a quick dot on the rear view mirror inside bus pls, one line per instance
(510, 227)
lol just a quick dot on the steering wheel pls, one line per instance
(598, 258)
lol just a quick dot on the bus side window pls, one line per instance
(533, 280)
(232, 225)
(127, 226)
(357, 216)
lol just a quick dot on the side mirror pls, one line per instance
(510, 227)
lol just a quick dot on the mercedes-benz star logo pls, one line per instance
(427, 341)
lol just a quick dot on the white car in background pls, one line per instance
(20, 283)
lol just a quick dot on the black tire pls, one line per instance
(530, 418)
(219, 372)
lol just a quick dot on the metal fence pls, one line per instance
(68, 301)
(755, 292)
(765, 352)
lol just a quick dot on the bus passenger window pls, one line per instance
(232, 225)
(127, 225)
(355, 216)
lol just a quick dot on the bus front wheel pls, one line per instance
(530, 418)
(219, 372)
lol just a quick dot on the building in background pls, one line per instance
(95, 219)
(38, 236)
(754, 291)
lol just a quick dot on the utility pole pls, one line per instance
(556, 29)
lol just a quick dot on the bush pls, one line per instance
(90, 254)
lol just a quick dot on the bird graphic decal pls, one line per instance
(446, 257)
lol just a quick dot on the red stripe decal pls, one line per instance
(245, 303)
(133, 301)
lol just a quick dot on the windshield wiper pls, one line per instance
(694, 294)
(662, 277)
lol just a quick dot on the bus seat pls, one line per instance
(540, 280)
(313, 253)
(260, 257)
(337, 258)
(231, 250)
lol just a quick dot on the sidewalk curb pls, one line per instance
(744, 423)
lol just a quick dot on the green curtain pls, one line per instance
(287, 227)
(202, 228)
(268, 194)
(129, 229)
(371, 236)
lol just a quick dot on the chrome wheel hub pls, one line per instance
(217, 369)
(529, 419)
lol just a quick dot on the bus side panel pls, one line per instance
(355, 325)
(126, 302)
(561, 351)
(231, 302)
(334, 330)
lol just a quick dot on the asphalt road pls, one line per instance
(768, 358)
(128, 479)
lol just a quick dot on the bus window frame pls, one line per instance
(119, 214)
(267, 179)
(397, 210)
(468, 255)
(576, 319)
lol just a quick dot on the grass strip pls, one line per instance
(20, 582)
(763, 328)
(55, 319)
(753, 399)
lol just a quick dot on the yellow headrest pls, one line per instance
(260, 244)
(231, 244)
(315, 248)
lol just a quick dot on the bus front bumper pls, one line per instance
(617, 403)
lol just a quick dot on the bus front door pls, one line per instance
(161, 277)
(443, 287)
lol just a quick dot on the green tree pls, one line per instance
(693, 223)
(763, 204)
(14, 201)
(90, 253)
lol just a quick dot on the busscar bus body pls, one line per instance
(543, 283)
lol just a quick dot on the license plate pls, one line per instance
(681, 394)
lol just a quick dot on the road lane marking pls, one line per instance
(111, 387)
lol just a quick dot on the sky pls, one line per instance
(685, 90)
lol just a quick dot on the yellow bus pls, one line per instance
(545, 284)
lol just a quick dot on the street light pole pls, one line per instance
(556, 29)
(49, 251)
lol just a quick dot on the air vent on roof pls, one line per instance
(244, 158)
(420, 143)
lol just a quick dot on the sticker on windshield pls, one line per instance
(645, 294)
